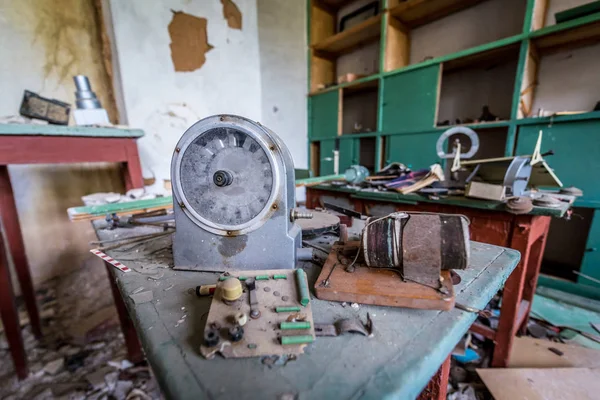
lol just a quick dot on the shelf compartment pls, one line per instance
(577, 33)
(563, 80)
(471, 24)
(349, 39)
(544, 11)
(470, 83)
(414, 13)
(360, 105)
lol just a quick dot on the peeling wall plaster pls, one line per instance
(189, 41)
(232, 14)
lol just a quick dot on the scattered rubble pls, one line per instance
(82, 354)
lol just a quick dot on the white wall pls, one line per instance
(43, 43)
(283, 69)
(164, 103)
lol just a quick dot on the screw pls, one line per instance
(222, 119)
(254, 314)
(274, 206)
(229, 233)
(271, 147)
(296, 214)
(181, 204)
(177, 149)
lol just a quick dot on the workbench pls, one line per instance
(490, 223)
(407, 349)
(49, 144)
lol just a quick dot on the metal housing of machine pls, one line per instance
(233, 195)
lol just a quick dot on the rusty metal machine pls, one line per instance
(234, 198)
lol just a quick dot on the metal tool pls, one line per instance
(233, 194)
(89, 111)
(470, 133)
(517, 176)
(342, 326)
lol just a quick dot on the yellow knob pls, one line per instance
(231, 289)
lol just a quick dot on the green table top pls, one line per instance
(60, 130)
(406, 351)
(415, 198)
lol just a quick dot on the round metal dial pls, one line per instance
(226, 177)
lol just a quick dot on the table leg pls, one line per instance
(438, 385)
(540, 227)
(16, 247)
(10, 317)
(134, 349)
(132, 170)
(512, 294)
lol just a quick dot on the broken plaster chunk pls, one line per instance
(142, 297)
(355, 306)
(53, 367)
(122, 389)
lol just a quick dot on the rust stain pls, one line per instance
(232, 14)
(189, 41)
(230, 246)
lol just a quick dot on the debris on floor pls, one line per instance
(82, 354)
(561, 343)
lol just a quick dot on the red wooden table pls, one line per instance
(49, 144)
(489, 224)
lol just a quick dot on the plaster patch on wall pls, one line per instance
(189, 41)
(232, 14)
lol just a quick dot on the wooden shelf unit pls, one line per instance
(335, 53)
(543, 56)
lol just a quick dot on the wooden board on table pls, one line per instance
(528, 352)
(261, 335)
(540, 384)
(378, 287)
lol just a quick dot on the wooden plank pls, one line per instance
(579, 289)
(549, 40)
(62, 149)
(351, 38)
(322, 24)
(539, 14)
(378, 287)
(57, 130)
(397, 44)
(410, 100)
(528, 352)
(415, 13)
(528, 83)
(322, 71)
(76, 213)
(538, 384)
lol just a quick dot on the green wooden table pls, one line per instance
(408, 347)
(490, 223)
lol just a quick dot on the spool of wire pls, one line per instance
(417, 245)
